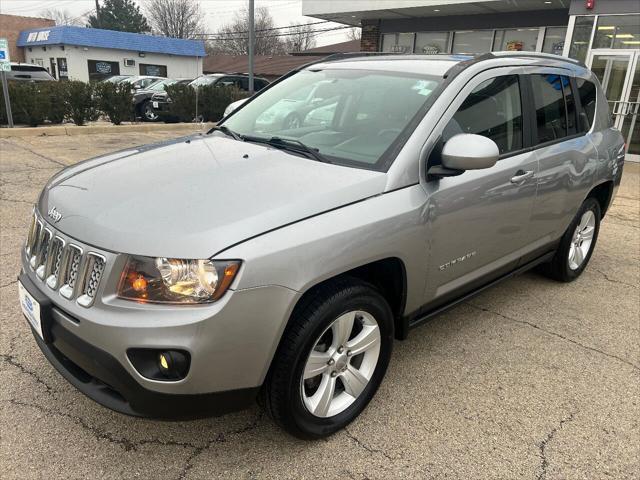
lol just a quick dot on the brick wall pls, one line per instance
(370, 40)
(12, 25)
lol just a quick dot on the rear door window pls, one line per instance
(494, 110)
(550, 110)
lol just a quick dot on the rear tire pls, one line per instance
(331, 360)
(577, 244)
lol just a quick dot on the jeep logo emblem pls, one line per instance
(54, 215)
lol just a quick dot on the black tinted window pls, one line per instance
(492, 110)
(569, 98)
(587, 93)
(550, 110)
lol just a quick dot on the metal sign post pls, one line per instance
(5, 66)
(252, 39)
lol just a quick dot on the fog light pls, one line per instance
(163, 365)
(172, 364)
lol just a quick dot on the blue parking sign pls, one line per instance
(3, 54)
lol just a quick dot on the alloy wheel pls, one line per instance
(341, 364)
(582, 240)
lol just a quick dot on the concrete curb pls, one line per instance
(71, 130)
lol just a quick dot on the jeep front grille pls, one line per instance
(52, 270)
(62, 264)
(94, 267)
(70, 271)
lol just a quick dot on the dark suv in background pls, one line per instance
(142, 97)
(160, 100)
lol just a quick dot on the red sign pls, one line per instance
(590, 4)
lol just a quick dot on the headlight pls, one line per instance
(172, 280)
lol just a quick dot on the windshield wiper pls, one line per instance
(226, 131)
(291, 145)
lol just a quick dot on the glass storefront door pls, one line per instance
(617, 71)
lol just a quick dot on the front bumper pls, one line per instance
(102, 378)
(231, 344)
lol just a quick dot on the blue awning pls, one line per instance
(95, 37)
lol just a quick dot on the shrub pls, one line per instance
(80, 101)
(57, 104)
(30, 102)
(115, 101)
(183, 102)
(214, 100)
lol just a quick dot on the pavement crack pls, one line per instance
(558, 335)
(9, 284)
(220, 438)
(11, 360)
(98, 433)
(542, 446)
(613, 280)
(44, 157)
(13, 200)
(366, 447)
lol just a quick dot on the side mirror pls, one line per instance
(467, 151)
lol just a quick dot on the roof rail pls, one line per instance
(550, 56)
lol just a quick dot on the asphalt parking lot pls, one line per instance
(532, 379)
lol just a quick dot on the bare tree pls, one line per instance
(233, 39)
(300, 38)
(354, 33)
(175, 18)
(62, 17)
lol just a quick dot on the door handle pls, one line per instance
(521, 176)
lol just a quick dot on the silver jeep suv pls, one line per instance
(191, 277)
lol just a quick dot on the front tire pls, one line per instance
(148, 114)
(577, 244)
(331, 360)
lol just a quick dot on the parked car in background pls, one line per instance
(27, 72)
(116, 78)
(161, 100)
(237, 265)
(293, 111)
(233, 106)
(142, 97)
(140, 82)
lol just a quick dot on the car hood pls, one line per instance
(196, 196)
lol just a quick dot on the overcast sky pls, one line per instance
(218, 12)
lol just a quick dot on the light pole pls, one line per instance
(252, 39)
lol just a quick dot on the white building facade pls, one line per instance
(86, 54)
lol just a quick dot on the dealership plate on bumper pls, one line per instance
(30, 308)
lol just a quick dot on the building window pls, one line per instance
(153, 70)
(581, 37)
(554, 40)
(102, 69)
(432, 42)
(398, 42)
(617, 31)
(517, 39)
(472, 41)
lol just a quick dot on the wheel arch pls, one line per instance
(387, 275)
(602, 193)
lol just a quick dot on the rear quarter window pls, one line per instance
(587, 94)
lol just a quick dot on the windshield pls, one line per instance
(159, 85)
(352, 117)
(204, 80)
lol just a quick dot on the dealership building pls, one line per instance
(604, 34)
(79, 53)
